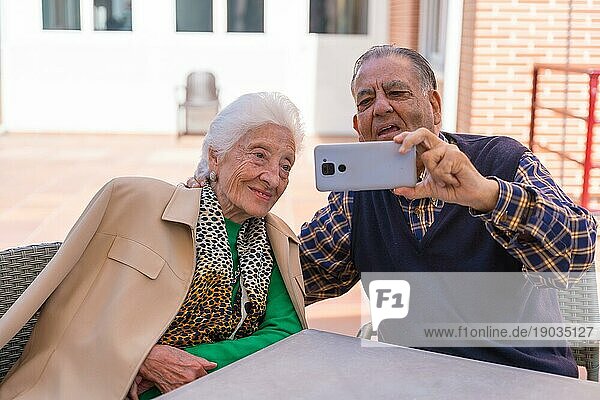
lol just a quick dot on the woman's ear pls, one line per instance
(212, 160)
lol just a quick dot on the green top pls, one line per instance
(280, 320)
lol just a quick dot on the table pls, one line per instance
(321, 365)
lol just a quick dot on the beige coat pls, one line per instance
(113, 288)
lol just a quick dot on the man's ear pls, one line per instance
(436, 106)
(355, 126)
(212, 160)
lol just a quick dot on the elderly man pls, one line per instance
(483, 203)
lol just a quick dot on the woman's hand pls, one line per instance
(139, 386)
(168, 368)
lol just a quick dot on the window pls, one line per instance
(61, 14)
(245, 16)
(112, 15)
(432, 32)
(339, 16)
(194, 15)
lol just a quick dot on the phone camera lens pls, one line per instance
(327, 168)
(342, 168)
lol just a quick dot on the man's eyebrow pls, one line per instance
(364, 92)
(396, 85)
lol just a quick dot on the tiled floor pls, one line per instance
(48, 179)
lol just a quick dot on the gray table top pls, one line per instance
(318, 365)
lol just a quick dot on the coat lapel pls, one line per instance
(183, 206)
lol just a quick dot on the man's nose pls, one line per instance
(382, 106)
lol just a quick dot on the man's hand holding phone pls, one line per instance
(450, 175)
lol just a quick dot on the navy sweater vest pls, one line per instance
(382, 241)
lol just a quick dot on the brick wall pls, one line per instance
(404, 23)
(501, 42)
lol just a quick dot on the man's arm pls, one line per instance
(325, 250)
(539, 225)
(531, 217)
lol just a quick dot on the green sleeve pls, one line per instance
(280, 321)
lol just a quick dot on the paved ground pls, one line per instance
(47, 180)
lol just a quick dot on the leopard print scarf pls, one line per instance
(207, 314)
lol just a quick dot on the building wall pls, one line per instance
(404, 23)
(501, 42)
(463, 118)
(130, 82)
(333, 61)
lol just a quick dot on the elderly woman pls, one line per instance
(155, 285)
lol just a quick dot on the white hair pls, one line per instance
(248, 112)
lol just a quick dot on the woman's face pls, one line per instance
(253, 174)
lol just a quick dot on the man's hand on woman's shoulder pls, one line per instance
(192, 182)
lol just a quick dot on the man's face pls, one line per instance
(389, 100)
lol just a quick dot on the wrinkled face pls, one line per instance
(254, 173)
(389, 100)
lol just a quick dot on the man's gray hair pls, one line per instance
(248, 112)
(422, 66)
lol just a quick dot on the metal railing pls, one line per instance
(587, 163)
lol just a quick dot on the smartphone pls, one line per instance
(363, 166)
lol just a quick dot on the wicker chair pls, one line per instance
(18, 268)
(577, 305)
(580, 305)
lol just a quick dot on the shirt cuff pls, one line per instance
(512, 209)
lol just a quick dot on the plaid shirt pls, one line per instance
(533, 220)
